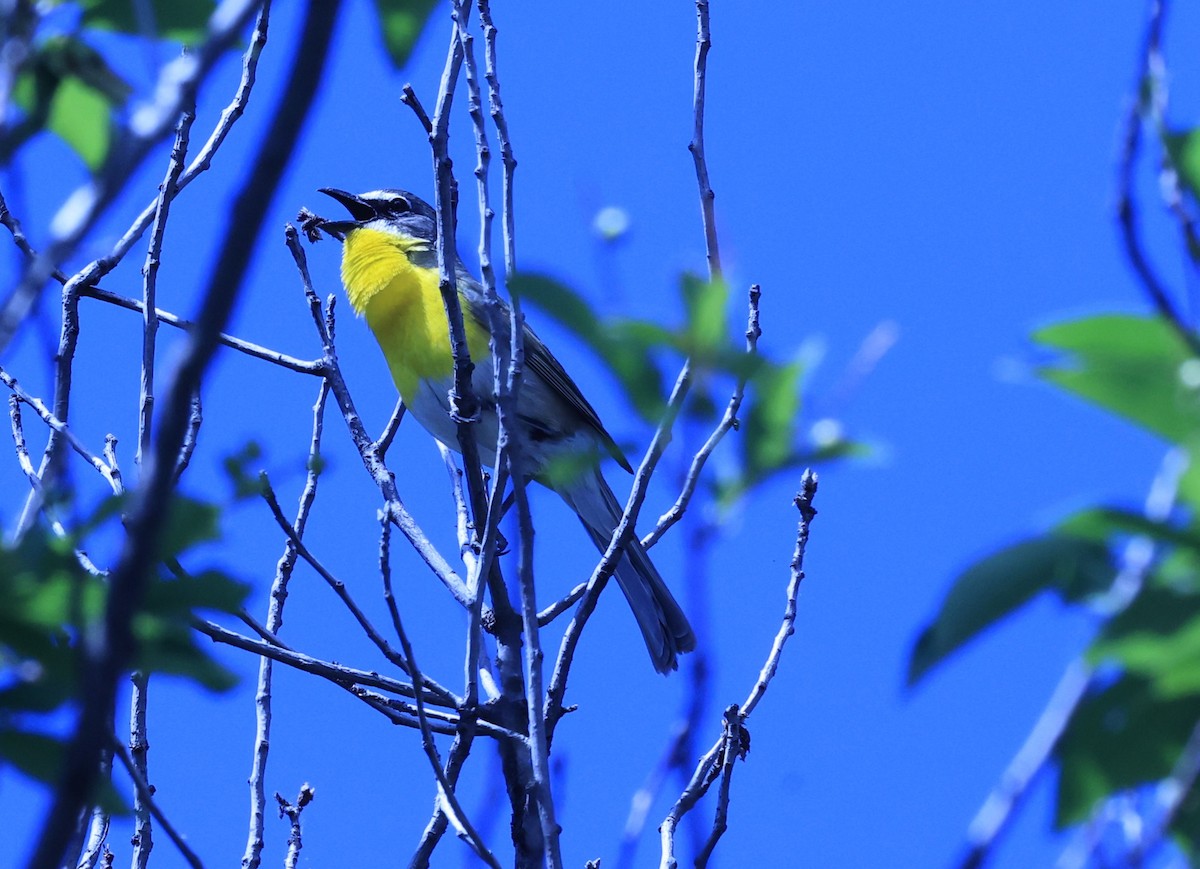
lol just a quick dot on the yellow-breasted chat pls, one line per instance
(389, 269)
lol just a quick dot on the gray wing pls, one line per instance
(542, 364)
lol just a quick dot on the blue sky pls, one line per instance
(944, 168)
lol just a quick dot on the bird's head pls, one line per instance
(392, 211)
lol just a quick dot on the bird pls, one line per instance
(390, 273)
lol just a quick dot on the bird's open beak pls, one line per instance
(359, 209)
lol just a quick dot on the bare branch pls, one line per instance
(278, 596)
(57, 425)
(410, 99)
(339, 588)
(292, 813)
(148, 123)
(1159, 295)
(292, 363)
(729, 420)
(389, 431)
(453, 808)
(735, 739)
(696, 146)
(337, 673)
(146, 795)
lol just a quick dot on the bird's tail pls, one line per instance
(664, 626)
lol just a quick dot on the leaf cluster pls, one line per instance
(636, 351)
(1143, 703)
(66, 85)
(52, 613)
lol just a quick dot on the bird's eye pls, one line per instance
(398, 204)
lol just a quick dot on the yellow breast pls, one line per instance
(403, 307)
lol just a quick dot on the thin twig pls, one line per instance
(147, 796)
(729, 420)
(249, 348)
(339, 588)
(410, 99)
(1159, 295)
(696, 146)
(139, 746)
(278, 596)
(334, 672)
(389, 431)
(148, 123)
(162, 210)
(496, 109)
(57, 425)
(453, 808)
(561, 605)
(735, 739)
(292, 813)
(1010, 791)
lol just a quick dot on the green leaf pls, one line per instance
(82, 117)
(769, 433)
(1119, 737)
(1183, 147)
(238, 467)
(998, 585)
(189, 522)
(400, 23)
(184, 21)
(35, 754)
(207, 590)
(1157, 637)
(1137, 367)
(168, 646)
(707, 307)
(1105, 523)
(69, 88)
(625, 345)
(560, 302)
(1186, 826)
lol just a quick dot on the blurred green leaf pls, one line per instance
(400, 23)
(1074, 568)
(1183, 147)
(207, 590)
(1137, 367)
(43, 589)
(1118, 738)
(169, 646)
(561, 302)
(1156, 637)
(769, 430)
(35, 754)
(240, 467)
(1104, 523)
(707, 307)
(82, 117)
(189, 522)
(625, 345)
(69, 88)
(184, 21)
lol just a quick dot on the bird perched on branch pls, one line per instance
(390, 271)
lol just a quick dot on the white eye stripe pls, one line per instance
(388, 200)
